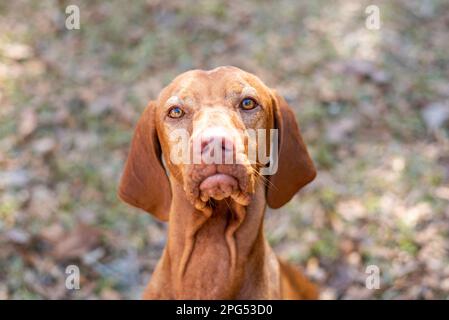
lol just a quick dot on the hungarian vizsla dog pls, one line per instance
(216, 247)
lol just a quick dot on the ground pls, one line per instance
(373, 106)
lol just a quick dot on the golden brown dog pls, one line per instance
(216, 247)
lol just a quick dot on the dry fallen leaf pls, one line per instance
(77, 242)
(110, 294)
(17, 51)
(27, 123)
(3, 292)
(53, 233)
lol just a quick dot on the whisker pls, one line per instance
(265, 180)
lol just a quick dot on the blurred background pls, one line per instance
(373, 106)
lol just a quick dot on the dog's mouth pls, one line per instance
(206, 183)
(218, 186)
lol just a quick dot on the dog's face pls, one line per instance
(205, 121)
(213, 129)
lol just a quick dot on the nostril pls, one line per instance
(227, 145)
(205, 143)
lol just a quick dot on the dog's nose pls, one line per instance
(216, 140)
(217, 143)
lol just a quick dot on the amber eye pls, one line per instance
(175, 112)
(248, 104)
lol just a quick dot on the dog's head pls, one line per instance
(216, 132)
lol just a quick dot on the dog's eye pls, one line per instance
(248, 104)
(175, 112)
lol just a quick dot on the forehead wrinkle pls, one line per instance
(235, 90)
(190, 90)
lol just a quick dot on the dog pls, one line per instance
(216, 248)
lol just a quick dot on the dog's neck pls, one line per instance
(220, 256)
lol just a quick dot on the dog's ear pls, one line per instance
(295, 167)
(144, 183)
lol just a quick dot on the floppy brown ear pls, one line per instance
(144, 183)
(295, 167)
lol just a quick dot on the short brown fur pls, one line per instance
(217, 251)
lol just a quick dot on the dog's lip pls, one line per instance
(219, 180)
